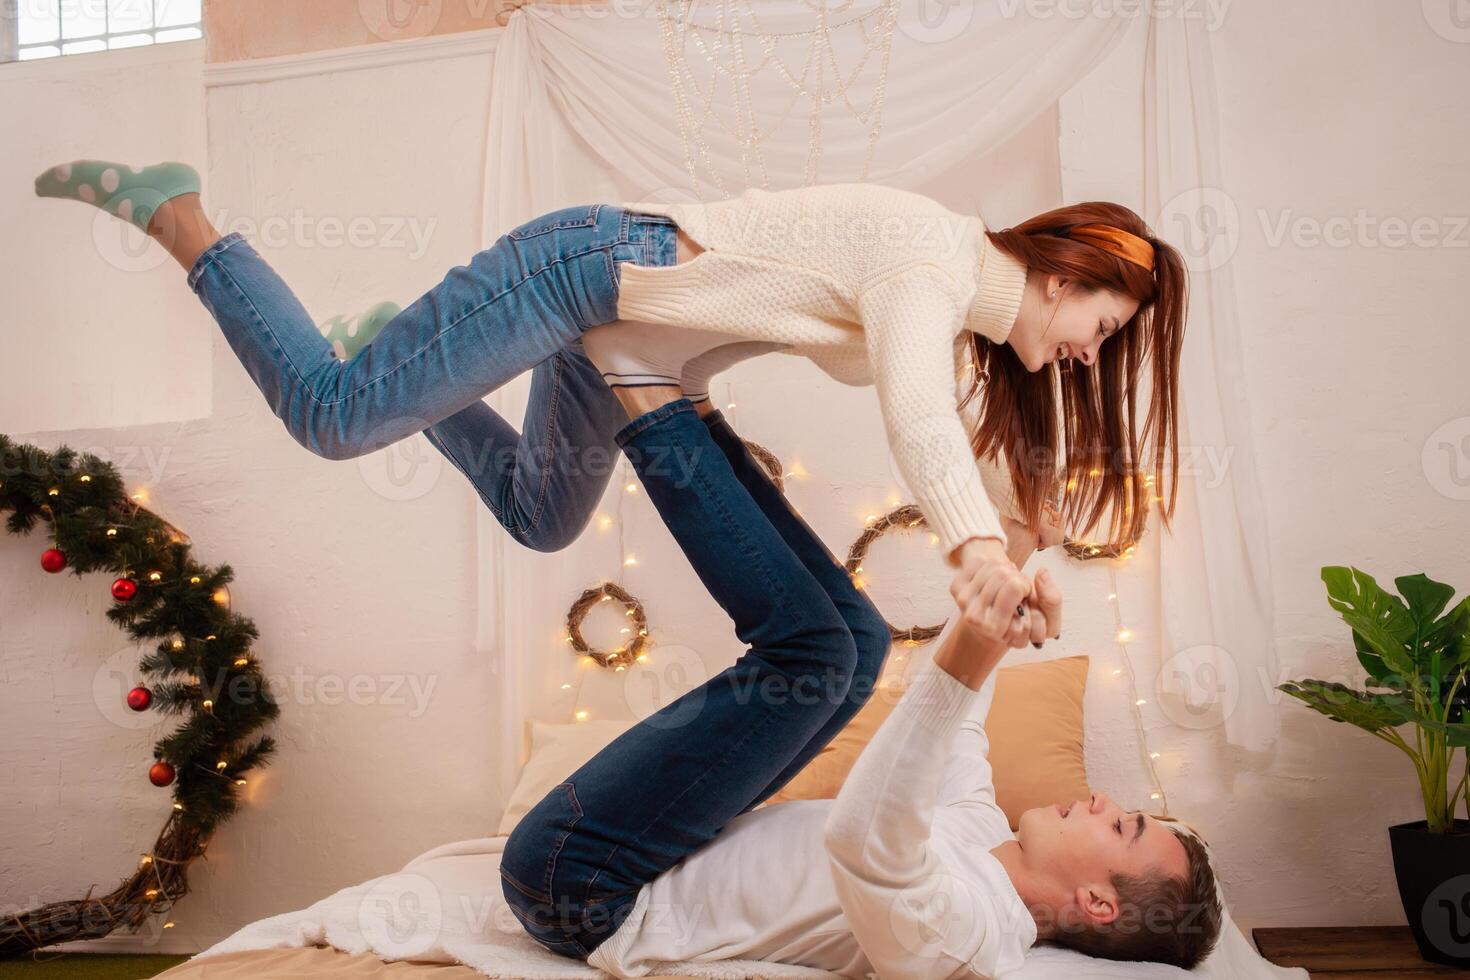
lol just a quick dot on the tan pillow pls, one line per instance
(1035, 732)
(557, 751)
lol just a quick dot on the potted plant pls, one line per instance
(1417, 657)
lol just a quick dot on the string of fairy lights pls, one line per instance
(147, 859)
(1123, 634)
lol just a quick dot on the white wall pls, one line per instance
(353, 588)
(113, 350)
(346, 582)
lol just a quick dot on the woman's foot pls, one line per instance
(162, 200)
(638, 354)
(698, 371)
(350, 334)
(130, 193)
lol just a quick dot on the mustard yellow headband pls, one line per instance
(1123, 244)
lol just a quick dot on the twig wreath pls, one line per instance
(202, 669)
(770, 461)
(1091, 550)
(619, 657)
(904, 517)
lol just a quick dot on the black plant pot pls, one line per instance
(1433, 872)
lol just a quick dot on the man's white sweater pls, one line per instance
(877, 286)
(894, 878)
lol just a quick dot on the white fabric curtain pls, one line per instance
(1215, 580)
(584, 111)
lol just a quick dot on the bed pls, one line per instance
(442, 917)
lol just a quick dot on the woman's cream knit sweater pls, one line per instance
(874, 284)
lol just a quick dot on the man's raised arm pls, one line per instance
(911, 918)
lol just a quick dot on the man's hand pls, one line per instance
(969, 657)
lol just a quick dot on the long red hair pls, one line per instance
(1076, 427)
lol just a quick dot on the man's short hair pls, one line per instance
(1161, 919)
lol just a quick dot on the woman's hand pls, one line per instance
(1051, 528)
(988, 589)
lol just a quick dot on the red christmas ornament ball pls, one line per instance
(160, 774)
(139, 698)
(53, 559)
(124, 589)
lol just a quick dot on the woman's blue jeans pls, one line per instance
(574, 864)
(520, 305)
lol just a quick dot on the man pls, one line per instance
(913, 871)
(655, 849)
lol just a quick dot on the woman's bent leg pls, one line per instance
(869, 629)
(574, 864)
(516, 303)
(543, 482)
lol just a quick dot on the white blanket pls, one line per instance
(445, 906)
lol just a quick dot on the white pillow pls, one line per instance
(557, 751)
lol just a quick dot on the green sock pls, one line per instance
(350, 334)
(127, 192)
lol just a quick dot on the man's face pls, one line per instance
(1082, 845)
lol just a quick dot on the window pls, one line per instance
(31, 29)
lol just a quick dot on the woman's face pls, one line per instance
(1072, 323)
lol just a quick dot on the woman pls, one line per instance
(876, 285)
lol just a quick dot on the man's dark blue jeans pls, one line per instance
(574, 865)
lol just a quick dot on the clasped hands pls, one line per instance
(999, 601)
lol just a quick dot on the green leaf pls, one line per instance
(1342, 703)
(1426, 597)
(1375, 666)
(1451, 634)
(1379, 617)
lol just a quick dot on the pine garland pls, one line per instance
(201, 666)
